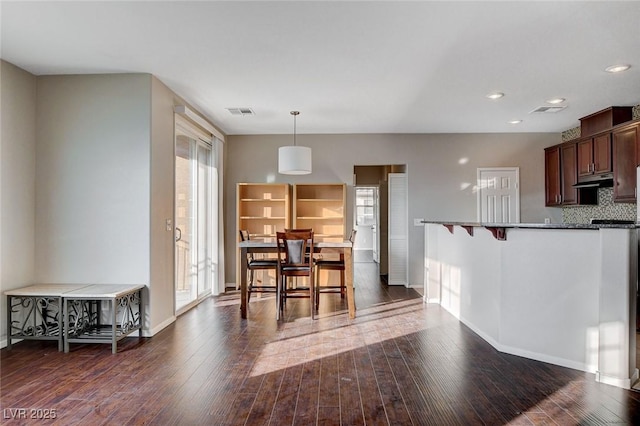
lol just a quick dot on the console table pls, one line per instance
(73, 313)
(83, 314)
(35, 312)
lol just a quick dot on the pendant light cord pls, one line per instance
(295, 114)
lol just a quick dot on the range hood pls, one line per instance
(604, 180)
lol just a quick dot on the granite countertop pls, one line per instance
(537, 225)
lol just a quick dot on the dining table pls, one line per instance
(343, 248)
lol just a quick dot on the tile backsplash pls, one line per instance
(571, 134)
(606, 209)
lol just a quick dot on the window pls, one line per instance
(365, 206)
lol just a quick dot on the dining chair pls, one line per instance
(332, 265)
(295, 259)
(254, 264)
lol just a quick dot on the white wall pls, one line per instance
(533, 295)
(442, 171)
(563, 296)
(17, 181)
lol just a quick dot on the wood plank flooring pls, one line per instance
(399, 363)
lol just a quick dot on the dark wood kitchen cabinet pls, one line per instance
(552, 180)
(609, 147)
(594, 155)
(625, 149)
(561, 174)
(569, 174)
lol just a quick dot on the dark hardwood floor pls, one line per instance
(399, 363)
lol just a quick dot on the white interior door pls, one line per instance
(398, 249)
(499, 195)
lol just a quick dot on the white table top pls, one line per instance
(76, 290)
(55, 290)
(101, 291)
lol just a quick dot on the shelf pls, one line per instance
(319, 200)
(262, 209)
(320, 217)
(262, 200)
(321, 207)
(261, 218)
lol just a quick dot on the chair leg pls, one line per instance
(343, 287)
(250, 285)
(317, 287)
(278, 296)
(312, 293)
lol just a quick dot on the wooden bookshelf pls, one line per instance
(262, 209)
(322, 208)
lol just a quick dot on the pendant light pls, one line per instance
(293, 159)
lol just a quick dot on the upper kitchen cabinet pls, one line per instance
(625, 152)
(561, 176)
(594, 149)
(604, 120)
(552, 180)
(568, 158)
(594, 155)
(608, 148)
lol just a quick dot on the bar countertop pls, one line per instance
(625, 225)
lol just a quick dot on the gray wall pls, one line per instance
(17, 181)
(162, 292)
(92, 212)
(440, 184)
(88, 183)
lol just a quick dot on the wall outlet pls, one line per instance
(418, 222)
(169, 225)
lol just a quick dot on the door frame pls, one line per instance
(200, 139)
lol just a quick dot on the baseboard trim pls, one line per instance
(618, 382)
(159, 327)
(3, 342)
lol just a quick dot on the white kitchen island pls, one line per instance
(562, 294)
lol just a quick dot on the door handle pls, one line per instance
(178, 234)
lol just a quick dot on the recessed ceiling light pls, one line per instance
(617, 68)
(495, 95)
(515, 121)
(554, 101)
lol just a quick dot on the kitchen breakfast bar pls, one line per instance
(559, 293)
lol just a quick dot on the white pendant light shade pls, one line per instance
(294, 160)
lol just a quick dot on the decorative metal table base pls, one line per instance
(83, 315)
(74, 313)
(34, 318)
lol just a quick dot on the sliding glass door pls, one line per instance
(194, 264)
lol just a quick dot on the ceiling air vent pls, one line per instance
(241, 111)
(548, 109)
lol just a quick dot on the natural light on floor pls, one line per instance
(302, 341)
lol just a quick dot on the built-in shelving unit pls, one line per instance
(322, 208)
(262, 209)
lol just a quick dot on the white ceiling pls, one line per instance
(349, 67)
